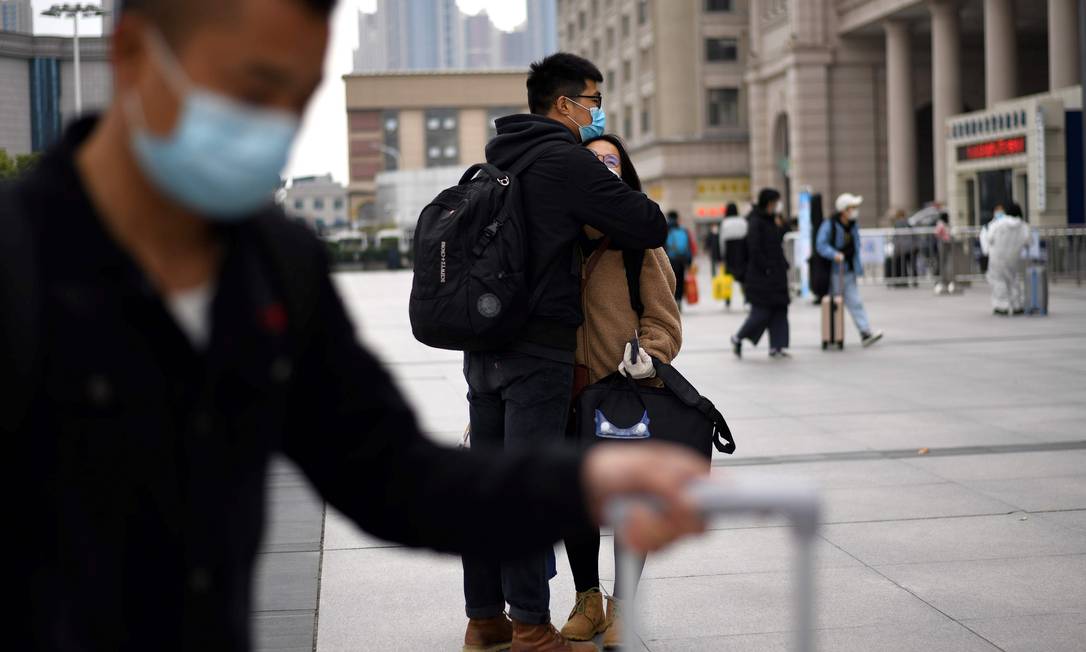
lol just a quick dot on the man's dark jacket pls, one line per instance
(137, 473)
(563, 191)
(766, 281)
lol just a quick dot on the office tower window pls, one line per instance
(595, 8)
(642, 12)
(610, 78)
(646, 117)
(595, 48)
(318, 204)
(299, 204)
(721, 49)
(338, 204)
(442, 137)
(626, 72)
(723, 107)
(719, 5)
(610, 38)
(645, 64)
(627, 122)
(390, 121)
(625, 26)
(582, 21)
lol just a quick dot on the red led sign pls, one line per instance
(993, 149)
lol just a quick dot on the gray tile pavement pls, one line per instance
(980, 548)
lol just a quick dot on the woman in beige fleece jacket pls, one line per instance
(610, 320)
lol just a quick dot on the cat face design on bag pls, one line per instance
(607, 430)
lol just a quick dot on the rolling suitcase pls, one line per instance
(1037, 290)
(833, 316)
(797, 501)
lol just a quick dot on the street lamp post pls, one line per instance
(75, 11)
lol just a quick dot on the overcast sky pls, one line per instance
(322, 145)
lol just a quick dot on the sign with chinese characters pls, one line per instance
(993, 149)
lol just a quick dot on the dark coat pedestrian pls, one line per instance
(766, 281)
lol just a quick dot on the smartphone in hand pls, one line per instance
(635, 348)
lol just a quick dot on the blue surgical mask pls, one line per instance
(223, 158)
(999, 215)
(594, 129)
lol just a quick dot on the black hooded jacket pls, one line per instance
(563, 191)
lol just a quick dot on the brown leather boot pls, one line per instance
(545, 638)
(587, 619)
(489, 635)
(612, 638)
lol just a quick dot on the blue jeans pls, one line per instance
(853, 302)
(516, 401)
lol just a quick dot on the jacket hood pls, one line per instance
(519, 133)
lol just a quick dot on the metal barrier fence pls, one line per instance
(911, 257)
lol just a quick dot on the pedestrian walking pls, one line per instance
(166, 330)
(624, 292)
(766, 280)
(839, 242)
(519, 394)
(681, 251)
(733, 231)
(1003, 240)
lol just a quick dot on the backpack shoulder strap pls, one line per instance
(634, 261)
(297, 268)
(20, 303)
(688, 394)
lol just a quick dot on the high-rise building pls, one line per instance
(16, 16)
(436, 35)
(110, 18)
(540, 29)
(673, 89)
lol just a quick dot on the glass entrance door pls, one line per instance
(996, 187)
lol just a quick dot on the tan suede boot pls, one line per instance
(489, 635)
(545, 638)
(587, 619)
(612, 638)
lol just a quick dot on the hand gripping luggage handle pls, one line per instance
(798, 501)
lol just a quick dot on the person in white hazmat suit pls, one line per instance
(1003, 240)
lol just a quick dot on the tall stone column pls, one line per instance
(1063, 55)
(900, 116)
(946, 76)
(1000, 51)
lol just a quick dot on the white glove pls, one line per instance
(643, 369)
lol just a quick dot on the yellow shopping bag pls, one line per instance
(722, 285)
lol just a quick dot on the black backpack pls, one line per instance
(470, 290)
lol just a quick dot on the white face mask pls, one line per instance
(855, 214)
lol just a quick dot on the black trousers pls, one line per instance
(679, 268)
(775, 319)
(584, 562)
(515, 401)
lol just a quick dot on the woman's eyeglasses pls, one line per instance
(610, 160)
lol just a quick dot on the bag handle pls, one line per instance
(616, 379)
(681, 387)
(490, 170)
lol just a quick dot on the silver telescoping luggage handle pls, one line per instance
(798, 501)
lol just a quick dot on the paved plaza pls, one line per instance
(979, 544)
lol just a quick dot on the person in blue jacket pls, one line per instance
(839, 241)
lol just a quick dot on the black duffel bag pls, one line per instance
(618, 409)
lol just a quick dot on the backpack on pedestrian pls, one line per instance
(470, 291)
(678, 246)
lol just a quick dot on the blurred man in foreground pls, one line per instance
(165, 330)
